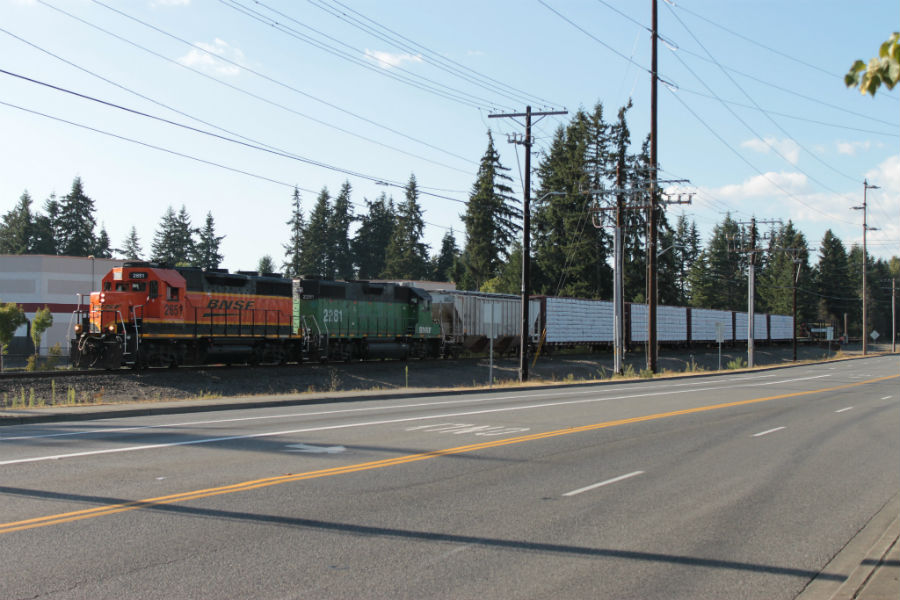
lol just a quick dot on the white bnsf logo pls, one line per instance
(423, 329)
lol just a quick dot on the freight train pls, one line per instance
(149, 314)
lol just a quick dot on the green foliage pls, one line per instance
(40, 323)
(16, 228)
(265, 265)
(717, 278)
(317, 258)
(373, 236)
(737, 363)
(207, 249)
(11, 318)
(75, 223)
(339, 234)
(293, 250)
(131, 247)
(445, 265)
(174, 242)
(882, 69)
(406, 256)
(492, 221)
(832, 279)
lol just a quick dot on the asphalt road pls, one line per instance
(734, 486)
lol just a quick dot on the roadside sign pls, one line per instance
(720, 333)
(874, 335)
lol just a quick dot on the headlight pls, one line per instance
(78, 329)
(111, 329)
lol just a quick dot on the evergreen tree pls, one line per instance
(265, 265)
(46, 231)
(492, 221)
(131, 247)
(207, 249)
(101, 246)
(318, 256)
(16, 230)
(76, 222)
(853, 295)
(686, 251)
(293, 250)
(569, 252)
(447, 260)
(509, 280)
(339, 234)
(789, 255)
(173, 242)
(407, 256)
(717, 277)
(832, 279)
(373, 236)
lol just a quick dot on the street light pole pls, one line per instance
(866, 188)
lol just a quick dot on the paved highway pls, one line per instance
(734, 486)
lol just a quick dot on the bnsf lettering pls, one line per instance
(231, 304)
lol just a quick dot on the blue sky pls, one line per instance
(756, 114)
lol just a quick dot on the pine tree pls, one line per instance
(492, 221)
(775, 285)
(131, 247)
(446, 261)
(101, 246)
(46, 231)
(407, 256)
(173, 242)
(686, 251)
(569, 252)
(318, 256)
(717, 278)
(207, 249)
(293, 250)
(373, 236)
(833, 284)
(339, 234)
(16, 230)
(265, 265)
(76, 222)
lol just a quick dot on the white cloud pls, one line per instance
(851, 148)
(207, 62)
(761, 186)
(386, 60)
(786, 148)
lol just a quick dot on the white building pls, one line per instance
(35, 281)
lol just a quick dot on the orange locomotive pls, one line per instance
(148, 314)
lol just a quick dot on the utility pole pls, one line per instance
(652, 355)
(751, 292)
(893, 315)
(620, 207)
(526, 228)
(865, 265)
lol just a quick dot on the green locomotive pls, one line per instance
(346, 320)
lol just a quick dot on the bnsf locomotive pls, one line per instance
(148, 314)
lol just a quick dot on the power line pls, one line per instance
(767, 115)
(408, 77)
(434, 58)
(223, 129)
(249, 70)
(191, 157)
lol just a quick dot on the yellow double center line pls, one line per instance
(390, 462)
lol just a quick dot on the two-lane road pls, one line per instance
(734, 486)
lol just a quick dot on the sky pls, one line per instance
(223, 106)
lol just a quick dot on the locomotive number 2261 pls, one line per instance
(333, 315)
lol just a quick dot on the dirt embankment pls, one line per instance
(193, 383)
